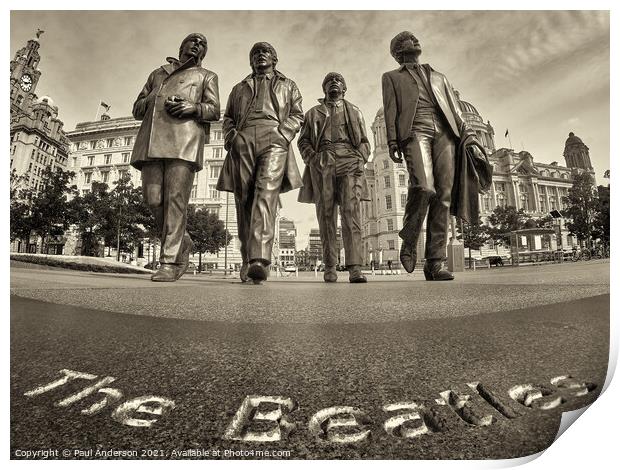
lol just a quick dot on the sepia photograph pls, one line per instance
(306, 234)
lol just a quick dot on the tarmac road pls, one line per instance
(206, 344)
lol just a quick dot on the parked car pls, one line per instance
(494, 260)
(290, 269)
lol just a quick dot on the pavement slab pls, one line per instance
(308, 359)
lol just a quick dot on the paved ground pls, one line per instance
(207, 343)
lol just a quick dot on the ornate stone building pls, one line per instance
(518, 181)
(37, 139)
(101, 151)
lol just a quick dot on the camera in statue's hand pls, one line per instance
(179, 107)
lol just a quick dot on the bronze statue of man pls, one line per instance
(262, 116)
(334, 146)
(176, 105)
(424, 124)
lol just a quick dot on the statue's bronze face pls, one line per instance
(334, 86)
(262, 59)
(410, 47)
(195, 47)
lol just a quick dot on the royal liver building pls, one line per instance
(518, 181)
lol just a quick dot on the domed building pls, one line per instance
(518, 181)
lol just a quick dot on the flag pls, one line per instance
(506, 134)
(106, 106)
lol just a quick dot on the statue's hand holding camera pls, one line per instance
(180, 107)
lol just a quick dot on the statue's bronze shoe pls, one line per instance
(257, 272)
(434, 271)
(187, 246)
(243, 273)
(408, 256)
(166, 273)
(356, 276)
(330, 274)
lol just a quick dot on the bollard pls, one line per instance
(296, 272)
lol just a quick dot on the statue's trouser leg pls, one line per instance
(244, 161)
(243, 218)
(152, 191)
(178, 180)
(324, 183)
(271, 150)
(439, 206)
(349, 188)
(430, 161)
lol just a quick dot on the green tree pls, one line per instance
(504, 220)
(125, 226)
(581, 206)
(474, 235)
(92, 211)
(207, 232)
(20, 226)
(51, 212)
(601, 228)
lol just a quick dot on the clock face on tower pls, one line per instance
(26, 82)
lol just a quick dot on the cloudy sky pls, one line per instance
(540, 74)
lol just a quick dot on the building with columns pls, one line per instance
(518, 181)
(101, 151)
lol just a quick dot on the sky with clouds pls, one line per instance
(540, 74)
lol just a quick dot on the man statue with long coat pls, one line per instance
(424, 125)
(176, 105)
(334, 146)
(262, 116)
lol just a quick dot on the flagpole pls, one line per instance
(97, 113)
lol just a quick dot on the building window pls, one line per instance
(521, 188)
(524, 202)
(500, 187)
(88, 177)
(93, 144)
(217, 135)
(125, 157)
(543, 204)
(218, 152)
(486, 204)
(107, 159)
(194, 192)
(542, 189)
(110, 142)
(386, 181)
(122, 174)
(388, 202)
(401, 180)
(85, 192)
(105, 176)
(91, 159)
(213, 192)
(390, 244)
(501, 200)
(215, 171)
(552, 203)
(386, 164)
(390, 225)
(403, 199)
(74, 161)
